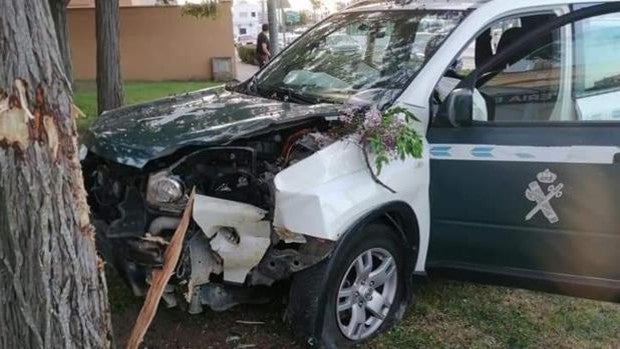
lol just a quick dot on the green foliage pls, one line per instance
(388, 135)
(205, 9)
(394, 138)
(247, 54)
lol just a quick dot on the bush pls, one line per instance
(247, 54)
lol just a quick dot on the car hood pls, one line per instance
(137, 134)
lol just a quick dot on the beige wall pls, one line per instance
(157, 43)
(91, 3)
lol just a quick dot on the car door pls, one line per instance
(528, 192)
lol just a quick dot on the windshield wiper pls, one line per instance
(294, 96)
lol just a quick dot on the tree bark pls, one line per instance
(272, 18)
(109, 81)
(59, 15)
(52, 286)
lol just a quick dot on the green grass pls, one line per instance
(459, 315)
(85, 94)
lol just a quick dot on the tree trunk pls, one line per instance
(109, 81)
(52, 286)
(272, 18)
(59, 15)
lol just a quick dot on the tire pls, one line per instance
(316, 292)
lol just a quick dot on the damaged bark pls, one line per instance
(52, 286)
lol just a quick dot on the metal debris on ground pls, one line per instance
(243, 322)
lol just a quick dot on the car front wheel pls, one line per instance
(356, 294)
(366, 294)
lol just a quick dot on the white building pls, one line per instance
(247, 16)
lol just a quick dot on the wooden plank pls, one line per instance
(160, 279)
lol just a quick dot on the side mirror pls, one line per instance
(457, 109)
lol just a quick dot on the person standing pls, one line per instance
(262, 46)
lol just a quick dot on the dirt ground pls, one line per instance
(243, 326)
(174, 328)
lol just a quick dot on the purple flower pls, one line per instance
(372, 118)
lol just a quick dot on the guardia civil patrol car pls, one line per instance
(519, 182)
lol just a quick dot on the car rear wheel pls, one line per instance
(356, 294)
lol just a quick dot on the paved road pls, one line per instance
(245, 71)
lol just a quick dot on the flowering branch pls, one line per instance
(388, 135)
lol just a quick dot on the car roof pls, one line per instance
(417, 4)
(459, 5)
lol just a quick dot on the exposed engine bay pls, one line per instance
(232, 249)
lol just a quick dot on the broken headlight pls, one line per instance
(164, 189)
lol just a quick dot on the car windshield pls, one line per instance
(367, 56)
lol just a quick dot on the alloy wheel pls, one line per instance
(366, 293)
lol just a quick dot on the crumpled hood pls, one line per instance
(136, 134)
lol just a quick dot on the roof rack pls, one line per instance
(408, 2)
(368, 2)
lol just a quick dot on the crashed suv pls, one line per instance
(279, 201)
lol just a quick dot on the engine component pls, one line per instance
(280, 264)
(132, 219)
(222, 297)
(304, 146)
(241, 253)
(163, 223)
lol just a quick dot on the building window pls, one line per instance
(253, 14)
(242, 31)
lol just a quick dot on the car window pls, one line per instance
(597, 68)
(486, 46)
(547, 82)
(366, 56)
(527, 88)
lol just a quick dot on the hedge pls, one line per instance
(247, 54)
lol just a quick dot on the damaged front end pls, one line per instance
(232, 250)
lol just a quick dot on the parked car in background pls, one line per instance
(342, 43)
(519, 180)
(245, 40)
(285, 39)
(300, 30)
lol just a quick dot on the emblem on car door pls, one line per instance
(536, 192)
